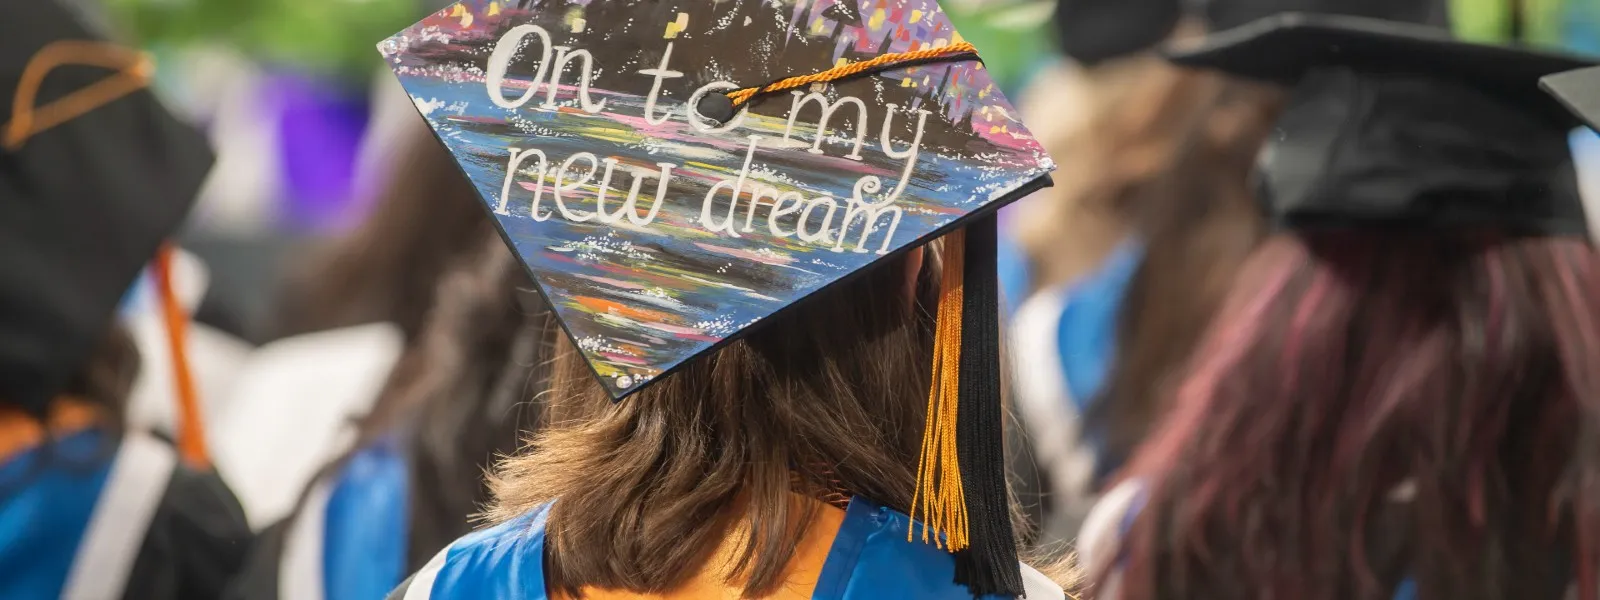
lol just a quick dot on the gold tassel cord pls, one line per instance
(939, 497)
(956, 51)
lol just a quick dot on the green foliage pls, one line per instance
(1012, 35)
(1572, 25)
(334, 37)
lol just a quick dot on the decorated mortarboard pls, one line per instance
(1579, 91)
(1398, 124)
(94, 176)
(675, 172)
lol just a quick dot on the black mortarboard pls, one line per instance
(94, 175)
(1222, 15)
(1095, 31)
(1579, 91)
(850, 131)
(1393, 123)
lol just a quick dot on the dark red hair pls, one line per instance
(1461, 370)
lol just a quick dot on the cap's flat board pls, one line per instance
(643, 294)
(1579, 92)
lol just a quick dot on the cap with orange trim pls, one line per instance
(676, 173)
(94, 175)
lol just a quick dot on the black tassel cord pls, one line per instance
(989, 565)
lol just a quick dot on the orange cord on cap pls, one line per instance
(134, 71)
(191, 428)
(881, 63)
(939, 496)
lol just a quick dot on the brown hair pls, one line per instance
(466, 391)
(649, 486)
(461, 396)
(107, 379)
(1349, 365)
(1124, 126)
(1200, 222)
(426, 216)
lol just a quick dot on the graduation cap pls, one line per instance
(94, 175)
(1395, 123)
(1095, 31)
(1579, 91)
(1222, 15)
(658, 233)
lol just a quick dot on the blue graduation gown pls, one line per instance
(367, 522)
(348, 539)
(94, 517)
(1087, 332)
(870, 560)
(45, 512)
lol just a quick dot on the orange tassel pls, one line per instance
(939, 497)
(191, 428)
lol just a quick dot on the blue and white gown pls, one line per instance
(91, 516)
(1064, 341)
(349, 539)
(870, 559)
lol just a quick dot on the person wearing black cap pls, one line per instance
(1130, 253)
(771, 384)
(1398, 397)
(412, 481)
(94, 176)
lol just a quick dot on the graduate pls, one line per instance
(1135, 248)
(350, 310)
(772, 385)
(1397, 397)
(464, 394)
(94, 175)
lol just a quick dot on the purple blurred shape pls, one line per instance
(320, 128)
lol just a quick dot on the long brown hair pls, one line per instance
(461, 396)
(1349, 366)
(1200, 221)
(827, 400)
(464, 394)
(427, 216)
(1114, 129)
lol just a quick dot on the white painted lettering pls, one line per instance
(660, 74)
(515, 164)
(801, 99)
(736, 188)
(561, 186)
(500, 59)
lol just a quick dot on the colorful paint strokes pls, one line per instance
(657, 234)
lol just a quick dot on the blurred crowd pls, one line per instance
(1217, 386)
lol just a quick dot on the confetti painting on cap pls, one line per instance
(655, 233)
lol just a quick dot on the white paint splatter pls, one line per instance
(426, 107)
